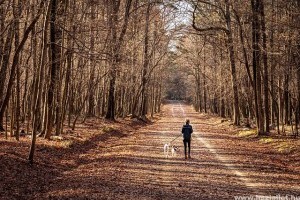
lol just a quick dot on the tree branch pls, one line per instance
(211, 28)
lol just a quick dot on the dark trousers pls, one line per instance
(187, 143)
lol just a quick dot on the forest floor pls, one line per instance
(125, 160)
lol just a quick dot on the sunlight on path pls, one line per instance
(133, 166)
(223, 160)
(250, 177)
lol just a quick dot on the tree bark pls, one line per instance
(17, 14)
(116, 44)
(145, 64)
(236, 111)
(257, 65)
(91, 98)
(53, 69)
(266, 74)
(37, 90)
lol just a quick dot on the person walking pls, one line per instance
(187, 131)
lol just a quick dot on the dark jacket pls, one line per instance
(187, 131)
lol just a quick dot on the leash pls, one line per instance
(174, 139)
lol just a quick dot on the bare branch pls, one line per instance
(211, 28)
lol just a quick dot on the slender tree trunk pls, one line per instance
(204, 82)
(37, 90)
(66, 93)
(59, 108)
(256, 66)
(30, 99)
(91, 98)
(17, 14)
(286, 95)
(116, 44)
(53, 69)
(266, 74)
(273, 65)
(144, 91)
(236, 112)
(113, 20)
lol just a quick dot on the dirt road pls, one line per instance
(133, 166)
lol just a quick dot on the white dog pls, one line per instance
(167, 149)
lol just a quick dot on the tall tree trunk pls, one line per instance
(204, 82)
(256, 66)
(115, 48)
(53, 69)
(91, 98)
(286, 98)
(69, 54)
(113, 9)
(236, 112)
(17, 14)
(136, 31)
(144, 91)
(273, 64)
(266, 74)
(60, 72)
(37, 90)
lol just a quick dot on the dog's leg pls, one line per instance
(168, 147)
(166, 150)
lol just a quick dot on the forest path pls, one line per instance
(132, 166)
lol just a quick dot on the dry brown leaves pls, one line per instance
(124, 160)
